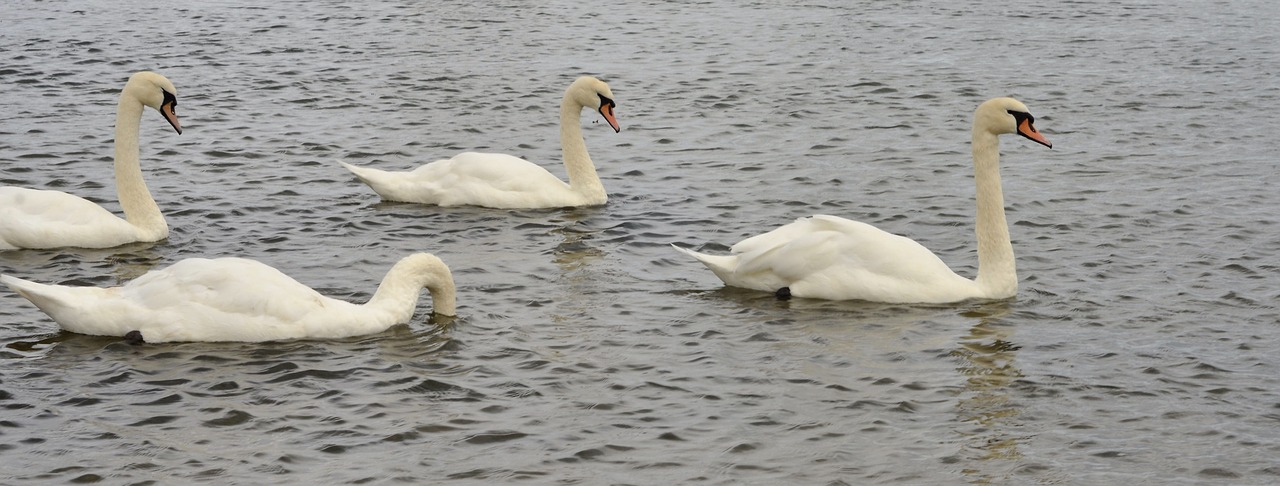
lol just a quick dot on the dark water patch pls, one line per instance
(492, 437)
(229, 419)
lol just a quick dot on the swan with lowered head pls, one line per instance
(31, 218)
(237, 299)
(827, 257)
(505, 181)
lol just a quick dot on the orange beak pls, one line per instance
(606, 110)
(1027, 130)
(169, 111)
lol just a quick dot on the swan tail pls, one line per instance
(78, 309)
(43, 296)
(22, 287)
(365, 174)
(378, 180)
(397, 186)
(719, 264)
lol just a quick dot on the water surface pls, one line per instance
(1140, 349)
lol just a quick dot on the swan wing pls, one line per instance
(31, 218)
(472, 178)
(228, 299)
(835, 258)
(492, 180)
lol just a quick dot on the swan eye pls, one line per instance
(170, 100)
(605, 101)
(1022, 115)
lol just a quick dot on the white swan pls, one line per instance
(31, 218)
(236, 299)
(828, 257)
(505, 181)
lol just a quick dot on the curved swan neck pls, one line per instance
(398, 292)
(139, 207)
(997, 273)
(577, 162)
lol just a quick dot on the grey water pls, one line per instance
(1141, 348)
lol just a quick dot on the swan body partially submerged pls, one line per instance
(506, 181)
(237, 299)
(31, 218)
(828, 257)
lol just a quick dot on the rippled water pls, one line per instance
(1141, 349)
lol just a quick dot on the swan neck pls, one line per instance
(140, 209)
(577, 162)
(997, 273)
(397, 295)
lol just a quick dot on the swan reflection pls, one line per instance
(988, 416)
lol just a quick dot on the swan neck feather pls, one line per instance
(398, 292)
(577, 162)
(997, 273)
(140, 209)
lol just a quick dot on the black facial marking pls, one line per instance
(1022, 115)
(1023, 119)
(605, 101)
(170, 100)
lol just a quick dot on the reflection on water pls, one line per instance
(30, 346)
(133, 263)
(120, 264)
(991, 416)
(575, 250)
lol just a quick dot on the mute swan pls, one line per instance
(237, 299)
(827, 257)
(31, 218)
(505, 181)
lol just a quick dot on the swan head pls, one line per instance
(156, 91)
(593, 93)
(1006, 115)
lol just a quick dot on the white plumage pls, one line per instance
(828, 257)
(237, 299)
(31, 218)
(505, 181)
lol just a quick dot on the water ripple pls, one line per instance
(586, 351)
